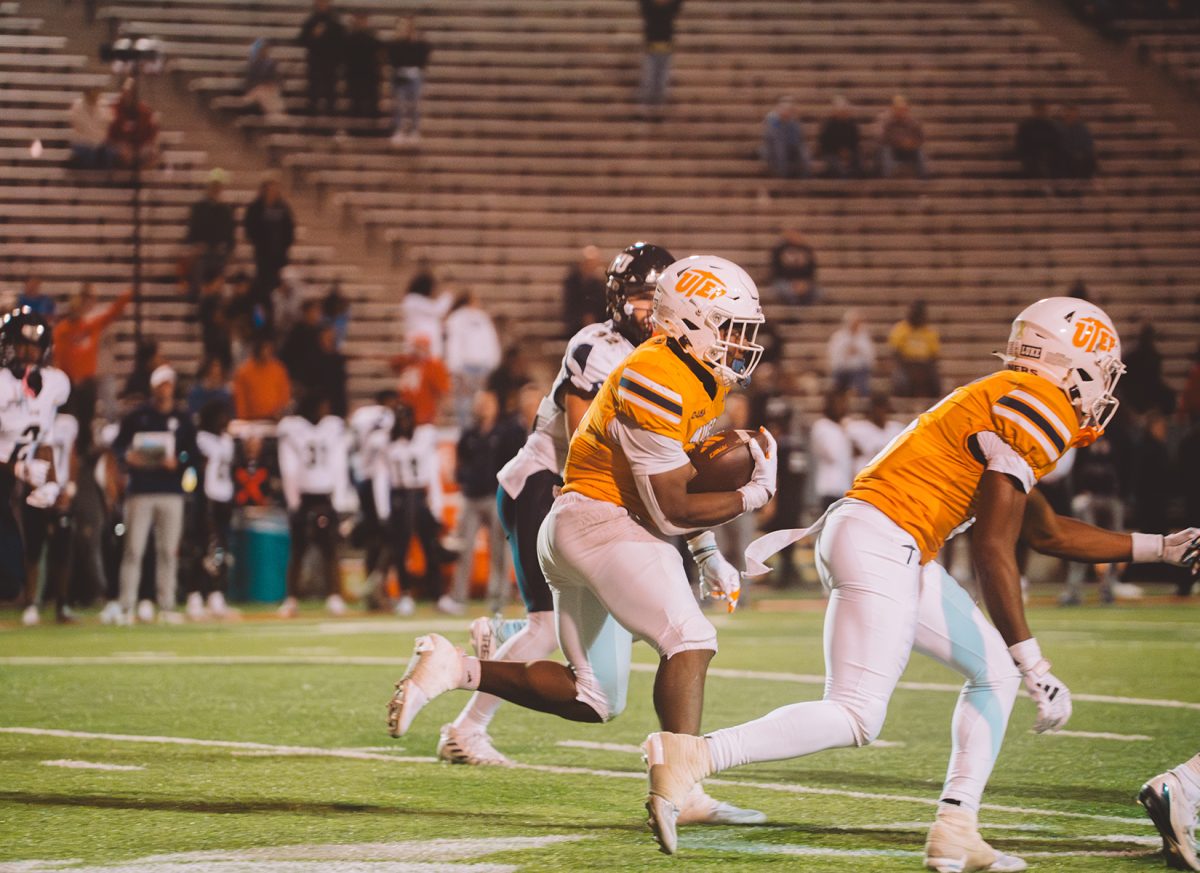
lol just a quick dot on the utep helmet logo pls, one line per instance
(700, 283)
(1093, 335)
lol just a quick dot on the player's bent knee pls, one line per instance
(694, 634)
(866, 719)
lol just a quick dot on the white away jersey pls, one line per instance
(312, 457)
(62, 438)
(26, 421)
(364, 422)
(591, 355)
(217, 449)
(405, 464)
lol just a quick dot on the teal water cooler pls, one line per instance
(260, 546)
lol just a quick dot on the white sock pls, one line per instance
(470, 673)
(788, 732)
(533, 642)
(1189, 779)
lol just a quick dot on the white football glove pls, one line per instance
(719, 579)
(1179, 548)
(44, 496)
(1052, 697)
(758, 492)
(33, 471)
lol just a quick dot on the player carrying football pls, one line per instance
(976, 454)
(603, 546)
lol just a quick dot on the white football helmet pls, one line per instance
(710, 306)
(1072, 343)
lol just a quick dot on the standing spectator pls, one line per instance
(90, 119)
(794, 268)
(851, 355)
(783, 148)
(214, 513)
(869, 435)
(133, 134)
(210, 233)
(658, 30)
(838, 142)
(211, 388)
(286, 302)
(1097, 501)
(322, 35)
(507, 380)
(146, 359)
(1143, 388)
(408, 55)
(482, 450)
(335, 309)
(736, 534)
(901, 140)
(915, 346)
(264, 84)
(584, 300)
(260, 386)
(299, 352)
(76, 348)
(31, 295)
(832, 451)
(332, 378)
(784, 512)
(422, 381)
(423, 308)
(1078, 159)
(216, 313)
(1038, 143)
(1189, 400)
(472, 352)
(363, 51)
(156, 443)
(271, 230)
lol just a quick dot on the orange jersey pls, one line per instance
(659, 388)
(925, 479)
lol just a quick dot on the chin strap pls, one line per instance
(1086, 436)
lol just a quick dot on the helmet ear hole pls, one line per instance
(1084, 376)
(690, 325)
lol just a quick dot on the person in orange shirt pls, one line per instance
(423, 380)
(76, 344)
(260, 386)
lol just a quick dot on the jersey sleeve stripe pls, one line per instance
(648, 406)
(1050, 415)
(1038, 419)
(653, 396)
(657, 387)
(1029, 428)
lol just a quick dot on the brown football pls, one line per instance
(723, 461)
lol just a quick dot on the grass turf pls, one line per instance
(323, 685)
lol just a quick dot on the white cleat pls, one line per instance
(1175, 819)
(112, 613)
(449, 605)
(219, 609)
(145, 611)
(435, 668)
(456, 746)
(195, 607)
(289, 608)
(676, 763)
(699, 808)
(405, 606)
(31, 616)
(484, 637)
(334, 605)
(955, 846)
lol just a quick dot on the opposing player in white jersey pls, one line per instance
(528, 483)
(214, 513)
(313, 466)
(365, 422)
(50, 527)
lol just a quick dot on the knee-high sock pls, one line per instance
(535, 641)
(788, 732)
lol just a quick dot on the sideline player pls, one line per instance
(1172, 800)
(528, 482)
(976, 453)
(602, 547)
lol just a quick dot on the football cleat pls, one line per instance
(435, 668)
(334, 605)
(405, 606)
(483, 637)
(955, 846)
(195, 607)
(1175, 819)
(30, 616)
(289, 608)
(456, 746)
(676, 763)
(699, 808)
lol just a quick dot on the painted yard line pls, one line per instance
(689, 841)
(637, 750)
(546, 768)
(1101, 735)
(88, 765)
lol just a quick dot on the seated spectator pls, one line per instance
(264, 84)
(90, 118)
(212, 387)
(1038, 143)
(901, 140)
(838, 142)
(363, 55)
(271, 230)
(915, 347)
(423, 308)
(422, 380)
(210, 233)
(1078, 157)
(472, 352)
(783, 147)
(133, 134)
(260, 386)
(76, 346)
(851, 355)
(794, 268)
(31, 295)
(584, 295)
(408, 54)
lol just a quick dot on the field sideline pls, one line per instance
(261, 746)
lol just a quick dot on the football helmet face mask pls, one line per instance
(633, 275)
(25, 341)
(711, 307)
(1072, 343)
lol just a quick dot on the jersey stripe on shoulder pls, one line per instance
(650, 400)
(1052, 418)
(657, 387)
(1033, 423)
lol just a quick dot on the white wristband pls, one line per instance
(754, 496)
(1027, 655)
(702, 544)
(1147, 548)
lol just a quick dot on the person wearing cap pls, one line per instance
(901, 140)
(210, 233)
(156, 446)
(839, 140)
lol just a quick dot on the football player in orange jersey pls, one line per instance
(976, 455)
(604, 548)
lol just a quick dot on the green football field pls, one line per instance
(261, 745)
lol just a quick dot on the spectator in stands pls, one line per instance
(331, 378)
(584, 300)
(423, 308)
(271, 230)
(363, 56)
(658, 30)
(408, 53)
(794, 268)
(1097, 500)
(507, 380)
(1079, 290)
(210, 233)
(146, 359)
(322, 36)
(260, 386)
(870, 434)
(783, 147)
(1189, 400)
(156, 443)
(832, 451)
(244, 320)
(214, 312)
(76, 345)
(211, 387)
(1038, 143)
(31, 295)
(839, 142)
(901, 140)
(851, 355)
(1078, 157)
(335, 309)
(264, 83)
(915, 346)
(299, 352)
(1143, 387)
(422, 380)
(286, 302)
(133, 134)
(472, 352)
(90, 119)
